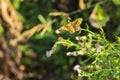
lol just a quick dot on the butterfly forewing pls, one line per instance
(69, 27)
(76, 24)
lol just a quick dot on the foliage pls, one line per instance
(102, 57)
(27, 39)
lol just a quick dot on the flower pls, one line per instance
(83, 38)
(48, 53)
(80, 53)
(69, 53)
(75, 53)
(77, 68)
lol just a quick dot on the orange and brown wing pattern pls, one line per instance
(71, 27)
(77, 24)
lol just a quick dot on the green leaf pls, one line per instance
(25, 48)
(16, 4)
(101, 17)
(116, 2)
(26, 60)
(42, 19)
(1, 29)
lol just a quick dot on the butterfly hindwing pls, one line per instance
(76, 24)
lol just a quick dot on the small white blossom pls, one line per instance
(77, 68)
(48, 53)
(69, 53)
(75, 53)
(83, 38)
(80, 53)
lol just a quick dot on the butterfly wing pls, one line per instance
(69, 27)
(77, 23)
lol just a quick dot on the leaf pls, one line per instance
(42, 19)
(116, 2)
(16, 3)
(1, 29)
(98, 17)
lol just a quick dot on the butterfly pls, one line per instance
(71, 27)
